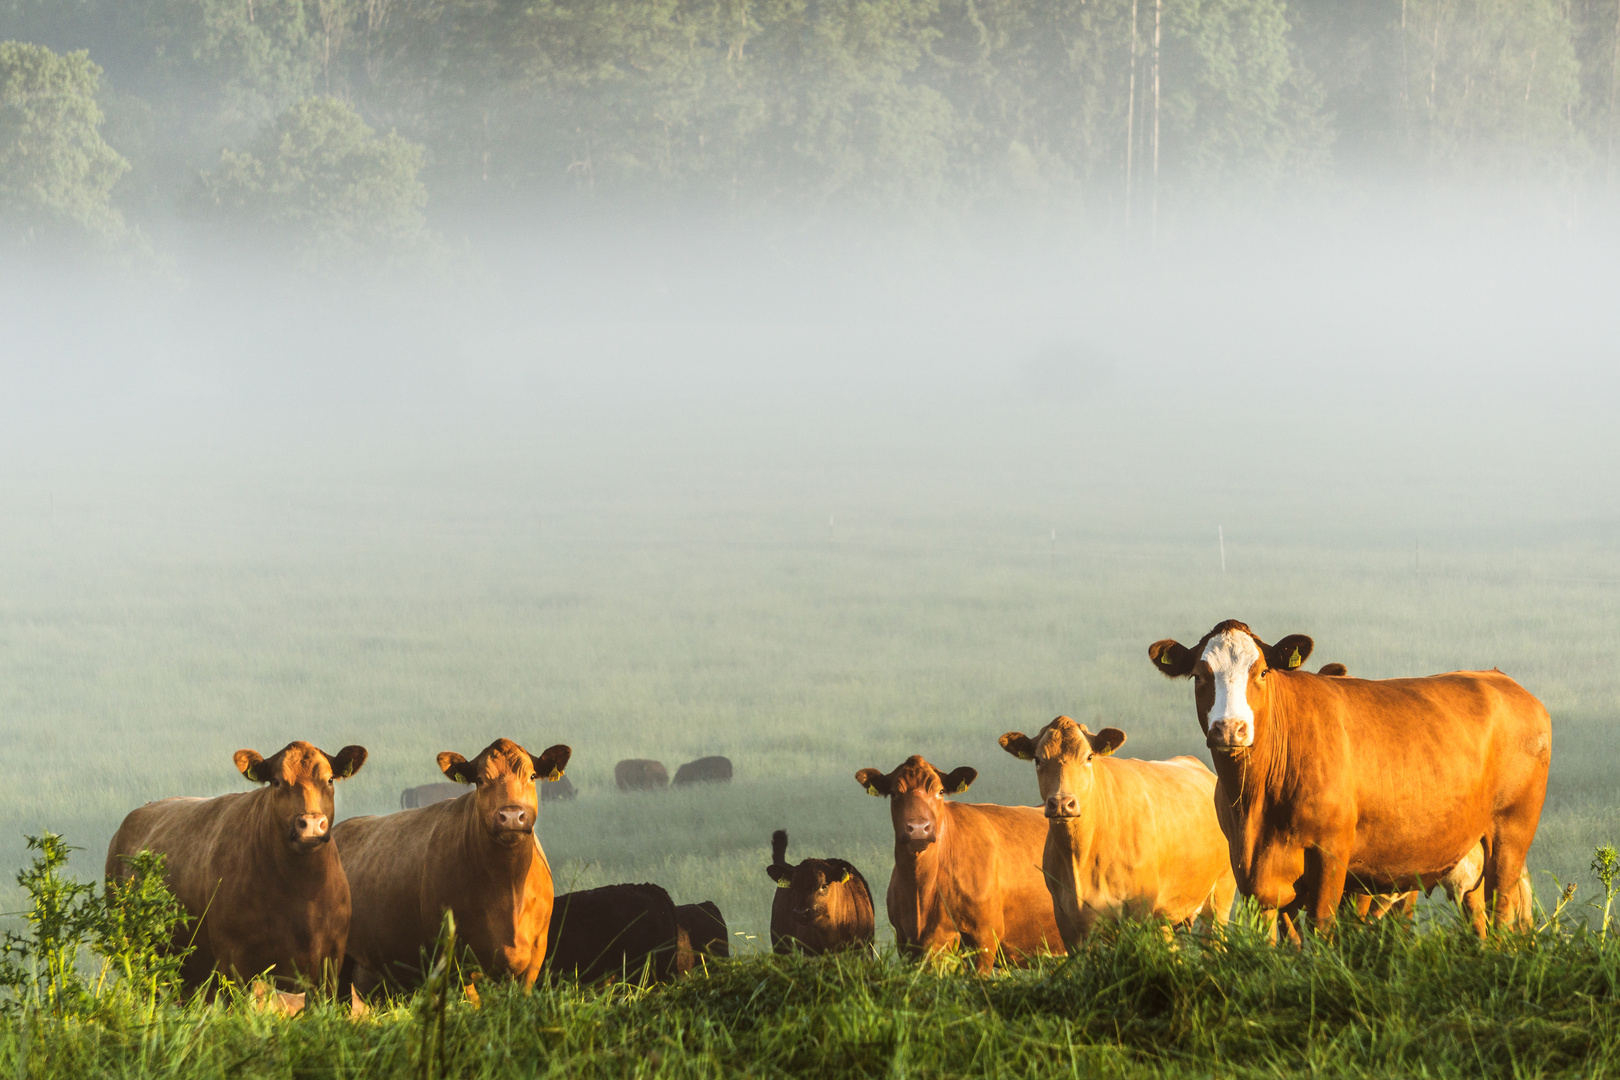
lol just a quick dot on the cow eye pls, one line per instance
(534, 776)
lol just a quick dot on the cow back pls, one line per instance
(616, 931)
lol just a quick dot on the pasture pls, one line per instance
(150, 628)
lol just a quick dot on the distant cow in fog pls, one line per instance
(702, 934)
(614, 932)
(428, 794)
(640, 774)
(705, 770)
(258, 868)
(413, 798)
(821, 905)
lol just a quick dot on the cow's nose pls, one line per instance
(511, 817)
(309, 827)
(1228, 733)
(918, 830)
(1062, 805)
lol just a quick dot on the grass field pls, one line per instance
(150, 627)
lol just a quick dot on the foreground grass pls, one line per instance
(1380, 1001)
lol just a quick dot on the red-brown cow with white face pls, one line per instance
(1378, 786)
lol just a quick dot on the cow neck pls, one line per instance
(498, 861)
(1257, 776)
(929, 868)
(269, 846)
(1076, 838)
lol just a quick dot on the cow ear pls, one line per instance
(874, 781)
(252, 766)
(1173, 659)
(549, 765)
(1019, 745)
(959, 780)
(1106, 741)
(347, 761)
(456, 768)
(1290, 652)
(1336, 671)
(781, 873)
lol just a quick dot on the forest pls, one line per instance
(335, 129)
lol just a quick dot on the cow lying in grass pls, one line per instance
(820, 906)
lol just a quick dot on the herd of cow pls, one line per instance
(1326, 788)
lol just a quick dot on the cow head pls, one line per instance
(813, 885)
(505, 776)
(1230, 667)
(1063, 752)
(300, 779)
(916, 791)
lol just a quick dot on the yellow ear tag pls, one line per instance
(784, 883)
(870, 790)
(1293, 661)
(1166, 659)
(959, 789)
(844, 878)
(555, 774)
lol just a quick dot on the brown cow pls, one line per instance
(629, 932)
(705, 770)
(964, 873)
(1378, 786)
(820, 906)
(640, 774)
(476, 856)
(1126, 838)
(258, 868)
(703, 929)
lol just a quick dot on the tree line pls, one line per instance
(336, 118)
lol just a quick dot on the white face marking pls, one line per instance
(1230, 655)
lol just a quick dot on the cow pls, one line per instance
(1125, 838)
(427, 794)
(820, 906)
(705, 770)
(1463, 888)
(640, 774)
(965, 874)
(414, 798)
(703, 932)
(615, 932)
(1329, 783)
(475, 856)
(257, 871)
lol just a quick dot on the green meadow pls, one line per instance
(150, 626)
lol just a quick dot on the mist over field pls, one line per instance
(911, 415)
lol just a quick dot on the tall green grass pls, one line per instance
(1376, 1001)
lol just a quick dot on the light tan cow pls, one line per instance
(258, 868)
(475, 856)
(1125, 838)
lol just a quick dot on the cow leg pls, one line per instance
(1504, 866)
(1324, 887)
